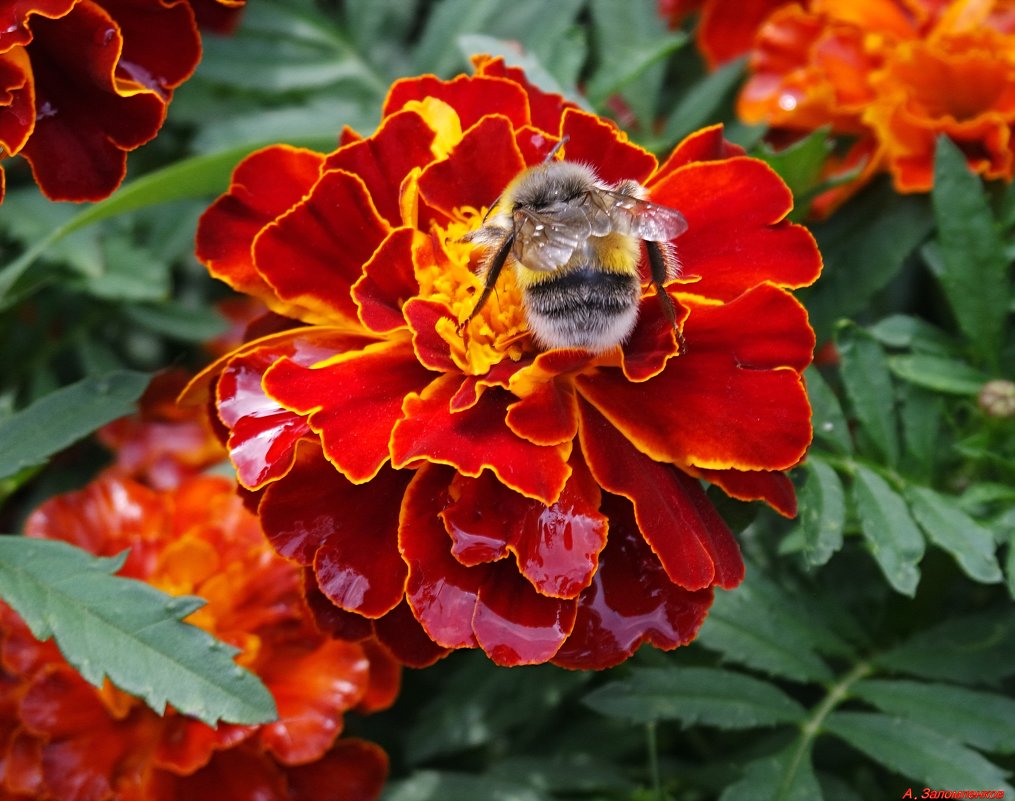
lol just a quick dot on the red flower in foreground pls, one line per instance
(61, 738)
(893, 76)
(470, 490)
(84, 81)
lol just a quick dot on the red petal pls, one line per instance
(653, 342)
(352, 402)
(88, 118)
(675, 517)
(264, 185)
(328, 618)
(727, 29)
(477, 439)
(188, 744)
(706, 144)
(389, 280)
(735, 399)
(406, 640)
(441, 592)
(432, 350)
(17, 101)
(236, 773)
(401, 143)
(546, 108)
(161, 43)
(600, 143)
(631, 601)
(514, 625)
(17, 17)
(773, 488)
(385, 680)
(354, 768)
(349, 532)
(546, 416)
(472, 97)
(736, 237)
(330, 235)
(478, 169)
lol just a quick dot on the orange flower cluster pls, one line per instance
(61, 738)
(82, 82)
(893, 75)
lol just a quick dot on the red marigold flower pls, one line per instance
(455, 490)
(84, 81)
(893, 76)
(61, 738)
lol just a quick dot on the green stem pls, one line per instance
(811, 727)
(653, 759)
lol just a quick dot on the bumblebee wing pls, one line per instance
(638, 218)
(546, 242)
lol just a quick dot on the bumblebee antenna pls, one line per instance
(556, 149)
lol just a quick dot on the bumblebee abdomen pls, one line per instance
(583, 307)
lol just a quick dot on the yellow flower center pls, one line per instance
(499, 329)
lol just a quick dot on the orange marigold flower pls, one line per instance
(61, 738)
(893, 75)
(84, 81)
(454, 490)
(726, 28)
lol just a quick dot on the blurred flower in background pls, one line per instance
(725, 28)
(448, 491)
(61, 738)
(82, 82)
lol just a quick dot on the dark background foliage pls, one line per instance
(872, 646)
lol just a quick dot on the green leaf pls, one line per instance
(868, 385)
(829, 422)
(32, 435)
(194, 177)
(950, 528)
(178, 322)
(701, 104)
(822, 511)
(968, 649)
(498, 701)
(569, 775)
(801, 164)
(916, 751)
(127, 630)
(984, 720)
(863, 245)
(891, 534)
(427, 785)
(922, 415)
(696, 695)
(974, 268)
(759, 625)
(903, 331)
(785, 776)
(629, 64)
(938, 373)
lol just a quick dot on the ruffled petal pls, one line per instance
(472, 98)
(631, 601)
(364, 391)
(675, 517)
(595, 141)
(475, 440)
(356, 767)
(736, 237)
(735, 399)
(348, 532)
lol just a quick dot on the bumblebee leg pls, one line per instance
(661, 264)
(492, 272)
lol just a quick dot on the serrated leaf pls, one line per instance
(888, 528)
(428, 785)
(921, 414)
(968, 649)
(829, 422)
(863, 246)
(985, 720)
(974, 266)
(194, 177)
(952, 529)
(868, 385)
(127, 630)
(759, 625)
(710, 696)
(938, 373)
(785, 776)
(822, 511)
(916, 751)
(52, 423)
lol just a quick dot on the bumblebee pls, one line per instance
(575, 243)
